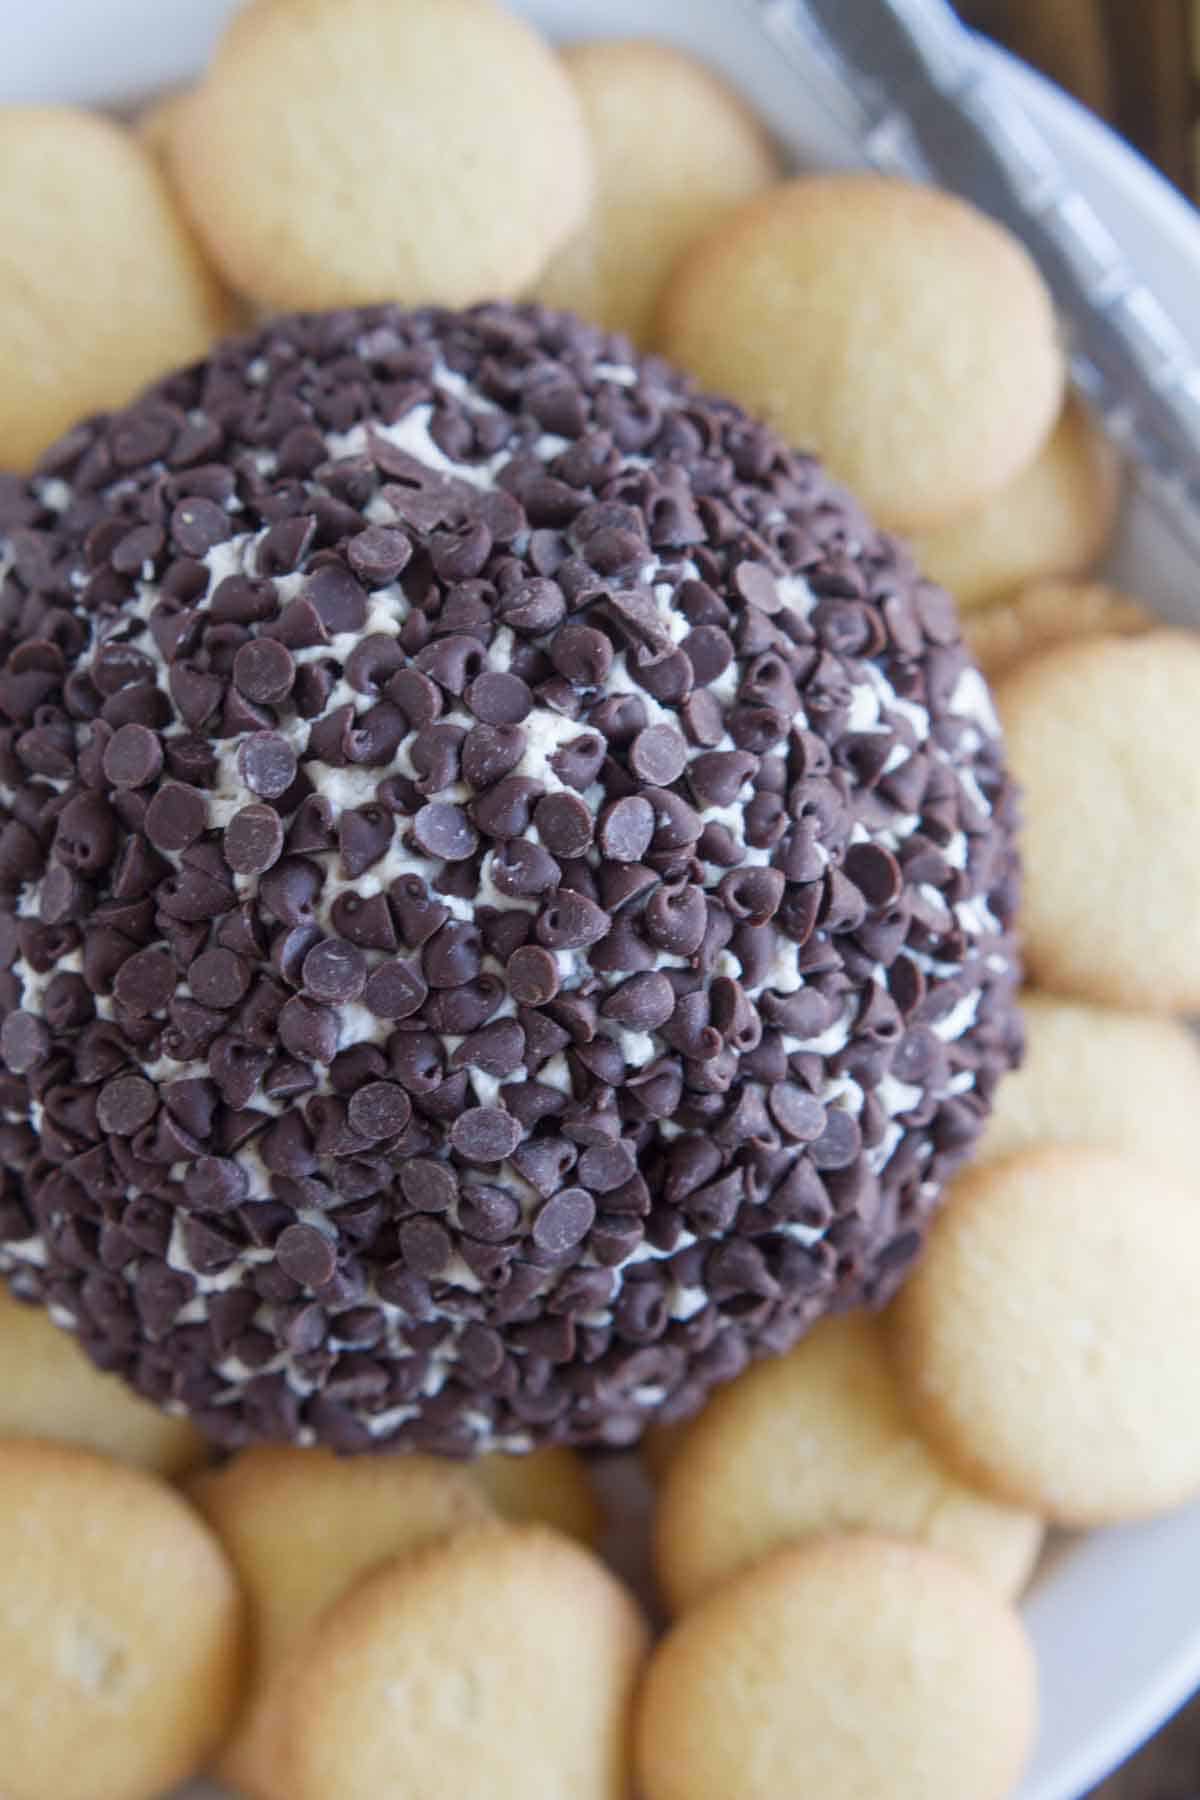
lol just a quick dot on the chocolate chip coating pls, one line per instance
(510, 922)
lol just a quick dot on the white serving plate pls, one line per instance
(1115, 1616)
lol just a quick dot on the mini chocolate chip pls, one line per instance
(395, 990)
(176, 816)
(289, 890)
(498, 1048)
(658, 755)
(444, 830)
(874, 872)
(252, 841)
(490, 752)
(675, 918)
(267, 764)
(132, 757)
(218, 978)
(429, 1186)
(753, 894)
(839, 1142)
(570, 921)
(453, 662)
(308, 1031)
(199, 525)
(215, 1183)
(532, 975)
(532, 607)
(24, 1042)
(63, 896)
(717, 776)
(505, 810)
(306, 1254)
(145, 982)
(485, 1134)
(643, 1002)
(338, 599)
(626, 829)
(425, 1246)
(564, 824)
(378, 554)
(364, 836)
(373, 664)
(582, 655)
(603, 1168)
(264, 670)
(498, 697)
(381, 1109)
(364, 920)
(334, 971)
(564, 1220)
(452, 955)
(312, 825)
(125, 1104)
(482, 1350)
(522, 869)
(796, 1112)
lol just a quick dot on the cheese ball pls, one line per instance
(505, 888)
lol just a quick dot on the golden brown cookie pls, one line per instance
(1046, 1341)
(49, 1389)
(813, 1442)
(346, 151)
(120, 1630)
(498, 1665)
(851, 1668)
(300, 1527)
(674, 148)
(101, 286)
(1045, 615)
(548, 1486)
(1094, 1075)
(1054, 519)
(1100, 734)
(890, 327)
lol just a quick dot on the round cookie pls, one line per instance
(853, 1666)
(550, 1487)
(1042, 1341)
(120, 1630)
(101, 288)
(888, 326)
(342, 151)
(496, 1666)
(1098, 734)
(456, 1005)
(301, 1526)
(674, 148)
(1054, 519)
(1047, 614)
(49, 1389)
(819, 1441)
(1093, 1075)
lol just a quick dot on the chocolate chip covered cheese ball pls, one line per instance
(506, 888)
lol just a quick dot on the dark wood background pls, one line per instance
(1167, 1769)
(1133, 61)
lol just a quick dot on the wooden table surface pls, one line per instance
(1167, 1769)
